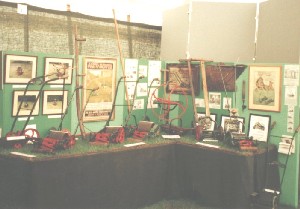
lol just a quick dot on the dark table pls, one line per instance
(133, 177)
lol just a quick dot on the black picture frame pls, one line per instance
(259, 126)
(232, 124)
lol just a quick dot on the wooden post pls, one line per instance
(78, 83)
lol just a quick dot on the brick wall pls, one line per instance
(50, 31)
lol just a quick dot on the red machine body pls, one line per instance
(18, 139)
(110, 134)
(56, 140)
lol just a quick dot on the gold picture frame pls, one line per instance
(99, 88)
(265, 88)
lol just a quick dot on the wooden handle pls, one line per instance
(205, 91)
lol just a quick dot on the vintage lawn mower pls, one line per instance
(61, 139)
(17, 139)
(109, 134)
(166, 105)
(116, 134)
(58, 138)
(146, 130)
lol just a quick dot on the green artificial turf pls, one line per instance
(84, 147)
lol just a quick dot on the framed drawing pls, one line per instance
(25, 103)
(55, 102)
(19, 68)
(57, 67)
(265, 88)
(259, 127)
(100, 74)
(177, 78)
(213, 118)
(232, 124)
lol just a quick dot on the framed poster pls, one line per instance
(265, 88)
(19, 68)
(58, 67)
(259, 127)
(232, 124)
(177, 78)
(100, 74)
(25, 103)
(54, 102)
(213, 118)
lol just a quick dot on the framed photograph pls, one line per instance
(213, 118)
(55, 67)
(19, 68)
(259, 127)
(177, 78)
(55, 102)
(25, 103)
(232, 124)
(265, 88)
(100, 74)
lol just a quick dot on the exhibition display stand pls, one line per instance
(134, 177)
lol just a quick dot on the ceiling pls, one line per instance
(141, 11)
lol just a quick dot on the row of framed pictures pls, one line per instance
(20, 69)
(54, 103)
(258, 125)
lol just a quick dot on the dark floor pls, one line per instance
(190, 204)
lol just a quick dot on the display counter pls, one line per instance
(133, 177)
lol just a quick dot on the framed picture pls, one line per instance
(259, 127)
(232, 124)
(213, 118)
(100, 74)
(54, 102)
(55, 67)
(265, 88)
(177, 78)
(25, 103)
(19, 68)
(220, 77)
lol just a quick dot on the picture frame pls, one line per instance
(259, 126)
(19, 69)
(177, 78)
(54, 102)
(58, 66)
(213, 118)
(100, 74)
(265, 88)
(26, 101)
(232, 124)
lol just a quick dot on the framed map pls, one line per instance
(100, 74)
